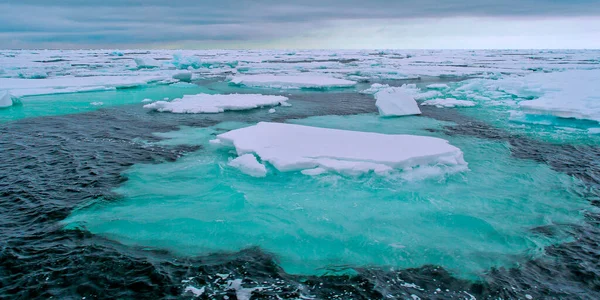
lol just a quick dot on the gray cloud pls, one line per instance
(122, 23)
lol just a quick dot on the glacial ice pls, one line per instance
(291, 81)
(396, 102)
(206, 103)
(5, 99)
(248, 165)
(448, 102)
(290, 147)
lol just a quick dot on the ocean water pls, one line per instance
(115, 201)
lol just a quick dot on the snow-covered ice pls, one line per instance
(290, 147)
(248, 165)
(206, 103)
(438, 86)
(571, 94)
(449, 102)
(146, 62)
(58, 85)
(396, 102)
(291, 82)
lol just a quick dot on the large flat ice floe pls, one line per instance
(569, 94)
(206, 103)
(396, 102)
(29, 87)
(291, 81)
(315, 150)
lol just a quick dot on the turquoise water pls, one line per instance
(466, 222)
(63, 104)
(502, 111)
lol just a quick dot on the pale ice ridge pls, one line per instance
(291, 82)
(314, 150)
(448, 102)
(206, 103)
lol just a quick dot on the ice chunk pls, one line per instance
(290, 147)
(449, 102)
(206, 103)
(184, 76)
(248, 164)
(396, 102)
(437, 86)
(291, 81)
(375, 87)
(146, 62)
(195, 291)
(5, 99)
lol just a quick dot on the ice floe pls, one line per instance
(248, 165)
(396, 102)
(449, 102)
(58, 85)
(571, 94)
(291, 82)
(290, 147)
(206, 103)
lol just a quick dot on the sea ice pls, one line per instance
(5, 99)
(184, 76)
(146, 62)
(396, 102)
(449, 102)
(248, 165)
(206, 103)
(375, 87)
(290, 147)
(59, 85)
(437, 86)
(291, 81)
(569, 94)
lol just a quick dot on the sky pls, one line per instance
(299, 24)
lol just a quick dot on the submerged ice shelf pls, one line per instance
(466, 222)
(290, 147)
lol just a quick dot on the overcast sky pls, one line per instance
(300, 24)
